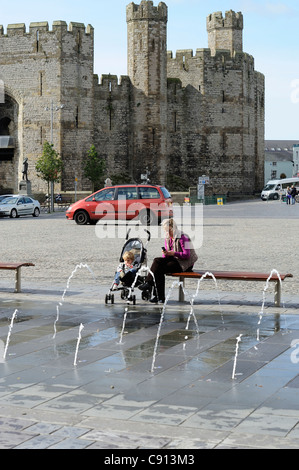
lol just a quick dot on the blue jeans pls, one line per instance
(117, 278)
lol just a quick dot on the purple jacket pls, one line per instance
(183, 250)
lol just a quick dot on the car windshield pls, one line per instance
(103, 195)
(268, 187)
(166, 193)
(9, 200)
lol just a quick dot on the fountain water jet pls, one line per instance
(179, 284)
(123, 326)
(274, 271)
(9, 333)
(79, 266)
(236, 355)
(78, 343)
(160, 324)
(174, 284)
(207, 274)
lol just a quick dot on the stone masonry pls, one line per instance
(181, 116)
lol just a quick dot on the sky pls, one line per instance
(270, 35)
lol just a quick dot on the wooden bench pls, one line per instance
(44, 206)
(15, 267)
(65, 201)
(232, 276)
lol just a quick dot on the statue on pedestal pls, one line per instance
(24, 184)
(25, 170)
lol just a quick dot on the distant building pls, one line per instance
(279, 159)
(296, 159)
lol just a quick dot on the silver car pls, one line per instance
(4, 196)
(19, 205)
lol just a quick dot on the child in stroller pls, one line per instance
(126, 270)
(131, 271)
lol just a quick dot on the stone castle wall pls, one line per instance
(41, 70)
(216, 119)
(181, 115)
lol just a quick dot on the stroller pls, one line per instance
(132, 280)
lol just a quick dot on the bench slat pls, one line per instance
(14, 265)
(232, 275)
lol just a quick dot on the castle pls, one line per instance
(179, 116)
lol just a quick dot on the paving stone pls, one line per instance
(12, 439)
(110, 440)
(267, 424)
(39, 442)
(43, 428)
(71, 443)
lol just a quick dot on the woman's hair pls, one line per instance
(169, 224)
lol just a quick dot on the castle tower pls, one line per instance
(225, 33)
(147, 69)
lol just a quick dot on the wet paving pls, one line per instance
(136, 383)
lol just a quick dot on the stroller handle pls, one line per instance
(148, 235)
(147, 231)
(128, 233)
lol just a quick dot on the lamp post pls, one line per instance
(57, 108)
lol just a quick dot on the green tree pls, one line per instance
(94, 168)
(49, 166)
(121, 178)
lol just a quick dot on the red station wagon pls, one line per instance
(149, 203)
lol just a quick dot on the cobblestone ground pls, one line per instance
(253, 236)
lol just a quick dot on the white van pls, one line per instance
(275, 189)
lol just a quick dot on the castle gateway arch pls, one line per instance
(9, 139)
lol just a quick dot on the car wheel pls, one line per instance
(275, 197)
(147, 217)
(14, 214)
(81, 218)
(36, 212)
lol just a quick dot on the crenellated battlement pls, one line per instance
(232, 20)
(111, 82)
(184, 55)
(146, 10)
(19, 29)
(225, 33)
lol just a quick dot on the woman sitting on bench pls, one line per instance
(178, 256)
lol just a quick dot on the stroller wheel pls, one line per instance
(109, 297)
(146, 295)
(131, 298)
